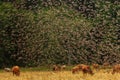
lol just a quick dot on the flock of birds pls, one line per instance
(86, 69)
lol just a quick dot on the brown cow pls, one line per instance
(106, 64)
(116, 69)
(76, 69)
(86, 69)
(16, 70)
(95, 66)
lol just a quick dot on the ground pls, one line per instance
(63, 75)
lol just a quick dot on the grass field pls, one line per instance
(63, 75)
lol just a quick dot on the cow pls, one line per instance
(56, 68)
(7, 69)
(95, 66)
(63, 67)
(16, 70)
(76, 69)
(86, 69)
(106, 64)
(82, 67)
(116, 69)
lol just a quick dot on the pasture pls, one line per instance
(102, 74)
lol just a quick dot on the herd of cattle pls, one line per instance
(15, 70)
(86, 69)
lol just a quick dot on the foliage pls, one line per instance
(40, 32)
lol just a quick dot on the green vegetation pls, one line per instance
(36, 32)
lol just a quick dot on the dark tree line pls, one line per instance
(43, 32)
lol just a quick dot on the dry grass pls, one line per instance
(63, 75)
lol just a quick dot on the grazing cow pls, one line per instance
(116, 69)
(105, 64)
(56, 68)
(86, 69)
(76, 69)
(7, 69)
(16, 70)
(95, 66)
(63, 67)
